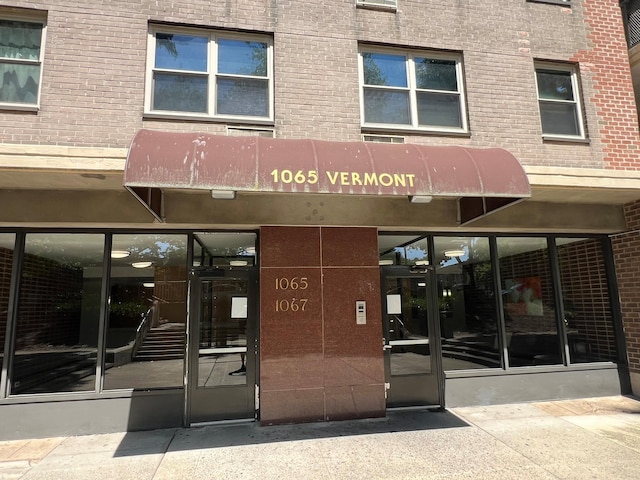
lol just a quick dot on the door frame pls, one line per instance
(434, 379)
(193, 393)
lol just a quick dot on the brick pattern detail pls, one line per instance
(50, 304)
(613, 97)
(627, 261)
(6, 261)
(584, 284)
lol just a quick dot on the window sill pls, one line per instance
(413, 131)
(377, 6)
(208, 119)
(566, 3)
(15, 107)
(573, 140)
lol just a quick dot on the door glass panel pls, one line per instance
(408, 333)
(222, 341)
(466, 303)
(528, 302)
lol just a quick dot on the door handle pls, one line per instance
(387, 347)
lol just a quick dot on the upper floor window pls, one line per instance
(412, 90)
(558, 97)
(209, 74)
(21, 52)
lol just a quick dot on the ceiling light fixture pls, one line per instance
(385, 262)
(120, 253)
(141, 264)
(238, 263)
(421, 198)
(148, 284)
(454, 253)
(223, 194)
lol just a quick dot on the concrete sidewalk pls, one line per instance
(596, 438)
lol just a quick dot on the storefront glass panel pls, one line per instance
(7, 241)
(587, 310)
(528, 301)
(147, 311)
(466, 303)
(58, 314)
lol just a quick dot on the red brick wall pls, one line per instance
(627, 260)
(613, 96)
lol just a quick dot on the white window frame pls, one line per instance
(40, 19)
(412, 89)
(577, 96)
(211, 74)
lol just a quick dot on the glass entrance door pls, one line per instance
(411, 344)
(222, 345)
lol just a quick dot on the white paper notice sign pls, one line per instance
(394, 305)
(239, 307)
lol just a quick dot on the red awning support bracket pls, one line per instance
(151, 198)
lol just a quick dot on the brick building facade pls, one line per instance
(320, 288)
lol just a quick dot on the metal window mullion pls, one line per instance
(556, 285)
(12, 315)
(212, 72)
(497, 288)
(413, 95)
(192, 73)
(614, 302)
(104, 312)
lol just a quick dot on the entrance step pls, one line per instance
(165, 342)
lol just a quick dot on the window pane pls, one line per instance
(554, 85)
(239, 57)
(559, 118)
(467, 303)
(384, 69)
(587, 310)
(58, 314)
(383, 106)
(436, 74)
(20, 40)
(7, 241)
(242, 96)
(439, 109)
(528, 300)
(147, 312)
(403, 250)
(19, 83)
(181, 52)
(179, 93)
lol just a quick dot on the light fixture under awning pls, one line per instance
(482, 180)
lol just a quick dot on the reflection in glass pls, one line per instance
(385, 69)
(243, 96)
(58, 313)
(180, 93)
(528, 302)
(559, 118)
(433, 74)
(19, 83)
(403, 250)
(222, 332)
(386, 106)
(554, 85)
(224, 249)
(181, 52)
(408, 330)
(587, 311)
(7, 241)
(147, 312)
(467, 303)
(439, 109)
(239, 57)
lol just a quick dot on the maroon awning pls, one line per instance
(483, 180)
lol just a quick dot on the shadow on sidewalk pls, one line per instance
(251, 433)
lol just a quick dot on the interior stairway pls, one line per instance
(165, 342)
